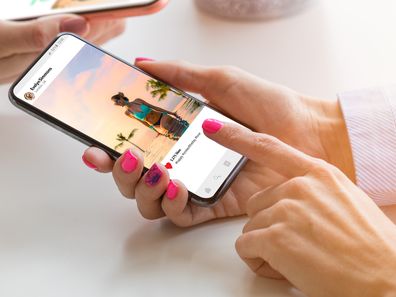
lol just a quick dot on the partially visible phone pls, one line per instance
(30, 9)
(103, 101)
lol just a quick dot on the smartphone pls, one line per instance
(30, 9)
(105, 102)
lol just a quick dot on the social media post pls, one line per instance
(48, 68)
(202, 164)
(28, 8)
(116, 104)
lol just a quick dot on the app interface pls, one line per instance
(18, 9)
(122, 107)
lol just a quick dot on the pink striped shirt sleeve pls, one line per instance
(370, 117)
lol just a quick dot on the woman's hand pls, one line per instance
(21, 42)
(313, 126)
(317, 228)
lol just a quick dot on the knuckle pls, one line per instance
(148, 215)
(239, 243)
(119, 28)
(39, 36)
(247, 228)
(319, 163)
(180, 73)
(224, 78)
(227, 71)
(255, 204)
(276, 234)
(284, 207)
(149, 212)
(139, 194)
(264, 142)
(182, 63)
(232, 135)
(126, 193)
(181, 223)
(299, 184)
(323, 169)
(251, 206)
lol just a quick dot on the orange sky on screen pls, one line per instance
(87, 106)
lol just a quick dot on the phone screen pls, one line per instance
(121, 106)
(26, 9)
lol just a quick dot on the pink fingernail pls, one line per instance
(129, 162)
(89, 164)
(172, 190)
(153, 176)
(212, 126)
(141, 59)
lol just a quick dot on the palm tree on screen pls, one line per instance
(123, 139)
(160, 89)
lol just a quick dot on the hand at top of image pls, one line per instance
(21, 42)
(313, 126)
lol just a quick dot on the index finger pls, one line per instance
(223, 86)
(253, 245)
(261, 148)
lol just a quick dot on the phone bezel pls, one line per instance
(127, 10)
(74, 133)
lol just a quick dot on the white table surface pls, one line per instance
(66, 231)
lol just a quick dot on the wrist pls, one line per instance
(333, 135)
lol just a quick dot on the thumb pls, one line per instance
(34, 36)
(261, 148)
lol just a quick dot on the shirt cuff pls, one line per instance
(370, 117)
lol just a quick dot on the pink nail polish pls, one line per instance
(211, 126)
(89, 164)
(172, 190)
(129, 162)
(141, 59)
(153, 176)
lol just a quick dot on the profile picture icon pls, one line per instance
(29, 96)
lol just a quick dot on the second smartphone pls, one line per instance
(29, 9)
(106, 102)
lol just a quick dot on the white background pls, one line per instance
(66, 231)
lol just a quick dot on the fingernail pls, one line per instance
(74, 25)
(212, 126)
(141, 59)
(172, 190)
(89, 164)
(129, 162)
(153, 175)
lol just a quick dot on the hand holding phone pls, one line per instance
(106, 102)
(259, 104)
(265, 107)
(22, 42)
